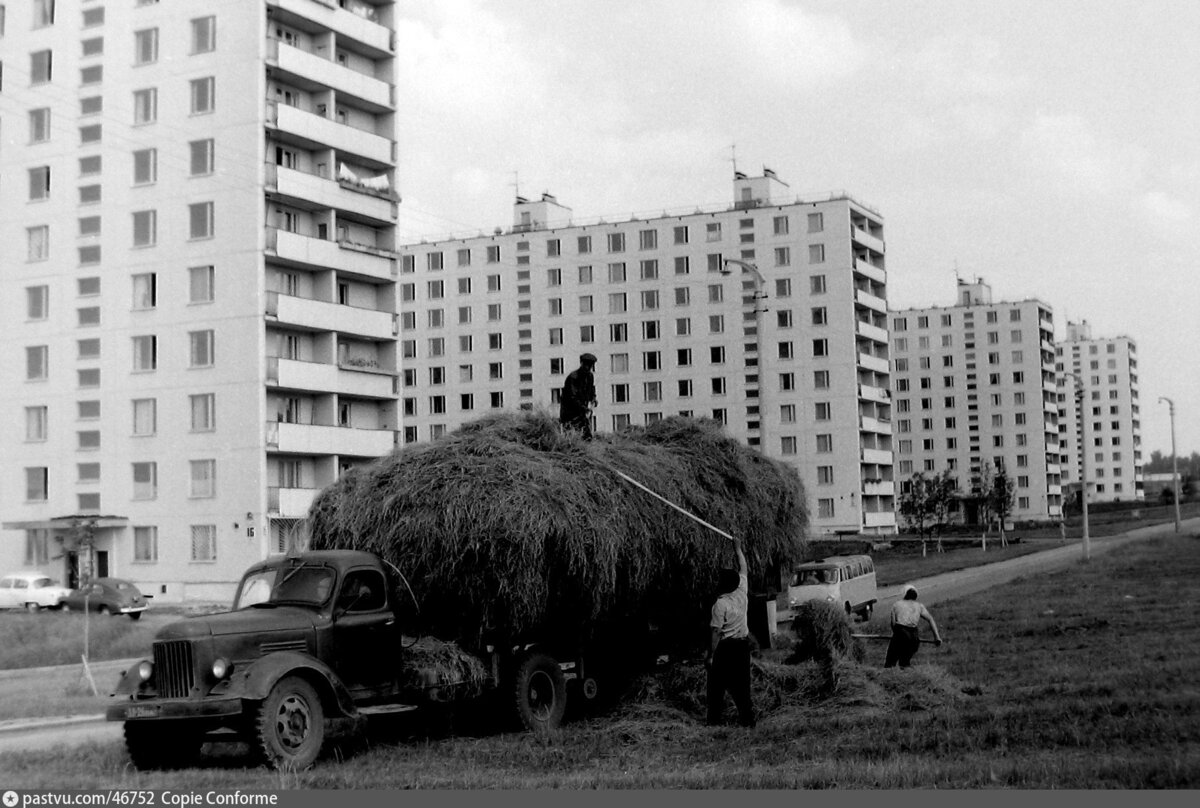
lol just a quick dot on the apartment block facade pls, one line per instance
(974, 385)
(199, 303)
(768, 314)
(1100, 415)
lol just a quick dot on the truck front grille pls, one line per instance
(173, 673)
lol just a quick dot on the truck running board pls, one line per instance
(387, 709)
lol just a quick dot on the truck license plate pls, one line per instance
(141, 711)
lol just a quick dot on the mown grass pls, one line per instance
(1084, 678)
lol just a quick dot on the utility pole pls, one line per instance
(1174, 459)
(1083, 480)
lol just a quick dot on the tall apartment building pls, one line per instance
(974, 384)
(199, 278)
(766, 314)
(1104, 372)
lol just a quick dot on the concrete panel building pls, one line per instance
(1100, 415)
(973, 386)
(768, 314)
(199, 278)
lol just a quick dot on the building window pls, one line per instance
(204, 34)
(41, 67)
(145, 353)
(37, 242)
(145, 544)
(145, 417)
(203, 93)
(616, 242)
(145, 46)
(718, 385)
(716, 324)
(816, 253)
(824, 443)
(200, 220)
(37, 482)
(820, 347)
(783, 256)
(203, 478)
(145, 480)
(647, 239)
(145, 228)
(201, 157)
(817, 284)
(37, 361)
(787, 382)
(204, 542)
(200, 284)
(712, 231)
(145, 166)
(39, 125)
(145, 106)
(35, 423)
(39, 183)
(787, 445)
(825, 508)
(201, 348)
(37, 302)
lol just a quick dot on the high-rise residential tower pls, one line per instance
(768, 314)
(1103, 431)
(198, 282)
(974, 387)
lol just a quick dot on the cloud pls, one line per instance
(1067, 150)
(1168, 217)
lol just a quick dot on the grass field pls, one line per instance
(1084, 678)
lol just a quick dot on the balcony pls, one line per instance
(874, 363)
(875, 457)
(322, 377)
(866, 239)
(314, 72)
(290, 502)
(317, 253)
(1054, 490)
(879, 488)
(872, 393)
(320, 315)
(870, 301)
(879, 519)
(1053, 468)
(871, 332)
(315, 132)
(871, 271)
(310, 191)
(376, 38)
(869, 424)
(314, 439)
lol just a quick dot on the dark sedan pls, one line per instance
(107, 596)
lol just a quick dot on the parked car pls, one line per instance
(107, 596)
(31, 591)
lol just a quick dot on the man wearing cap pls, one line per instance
(578, 397)
(907, 614)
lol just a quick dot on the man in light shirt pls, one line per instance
(729, 651)
(907, 614)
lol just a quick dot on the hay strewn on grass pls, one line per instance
(509, 525)
(822, 631)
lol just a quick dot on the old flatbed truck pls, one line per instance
(312, 647)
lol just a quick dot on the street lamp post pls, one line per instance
(759, 294)
(1083, 480)
(1174, 459)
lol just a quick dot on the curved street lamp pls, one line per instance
(759, 294)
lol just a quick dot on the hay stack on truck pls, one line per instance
(516, 553)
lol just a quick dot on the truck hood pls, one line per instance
(259, 621)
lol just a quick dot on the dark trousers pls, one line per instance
(902, 647)
(730, 671)
(580, 423)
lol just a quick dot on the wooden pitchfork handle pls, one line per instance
(888, 637)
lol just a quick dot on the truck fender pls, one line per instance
(255, 681)
(129, 682)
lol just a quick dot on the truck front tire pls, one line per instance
(291, 725)
(541, 692)
(161, 744)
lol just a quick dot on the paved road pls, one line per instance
(47, 733)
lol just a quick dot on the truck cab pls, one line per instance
(312, 639)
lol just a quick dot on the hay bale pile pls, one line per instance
(822, 632)
(510, 526)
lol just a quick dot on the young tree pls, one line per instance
(1000, 500)
(916, 505)
(942, 490)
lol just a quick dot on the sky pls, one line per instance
(1050, 147)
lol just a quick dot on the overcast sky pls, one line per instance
(1050, 147)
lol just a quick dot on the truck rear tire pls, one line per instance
(161, 744)
(541, 692)
(291, 725)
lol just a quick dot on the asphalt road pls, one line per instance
(67, 731)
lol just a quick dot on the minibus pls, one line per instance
(845, 580)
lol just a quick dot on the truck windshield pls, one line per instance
(303, 584)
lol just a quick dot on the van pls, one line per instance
(845, 580)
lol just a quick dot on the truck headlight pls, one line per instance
(221, 668)
(145, 670)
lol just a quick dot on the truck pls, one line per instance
(313, 646)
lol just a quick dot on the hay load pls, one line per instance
(510, 526)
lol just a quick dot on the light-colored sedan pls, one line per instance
(31, 591)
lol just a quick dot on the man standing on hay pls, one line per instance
(578, 397)
(907, 614)
(729, 654)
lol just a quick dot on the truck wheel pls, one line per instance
(160, 745)
(541, 692)
(291, 725)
